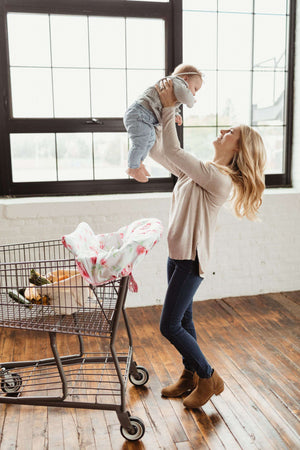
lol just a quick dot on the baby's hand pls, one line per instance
(166, 93)
(178, 119)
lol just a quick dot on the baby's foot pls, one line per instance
(137, 174)
(145, 171)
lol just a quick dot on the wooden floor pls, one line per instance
(251, 341)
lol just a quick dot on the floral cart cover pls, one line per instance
(104, 257)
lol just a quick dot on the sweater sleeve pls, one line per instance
(159, 156)
(205, 175)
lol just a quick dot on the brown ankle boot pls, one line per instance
(205, 389)
(185, 383)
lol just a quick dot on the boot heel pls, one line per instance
(219, 391)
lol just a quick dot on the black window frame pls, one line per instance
(171, 13)
(273, 180)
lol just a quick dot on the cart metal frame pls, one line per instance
(82, 380)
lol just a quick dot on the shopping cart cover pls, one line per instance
(104, 257)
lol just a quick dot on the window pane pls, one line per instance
(139, 80)
(145, 43)
(28, 38)
(108, 102)
(273, 140)
(31, 92)
(74, 156)
(204, 111)
(268, 97)
(235, 41)
(236, 5)
(199, 142)
(69, 41)
(107, 42)
(33, 157)
(234, 92)
(269, 46)
(200, 5)
(271, 6)
(71, 93)
(110, 153)
(200, 39)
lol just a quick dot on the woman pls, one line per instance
(200, 191)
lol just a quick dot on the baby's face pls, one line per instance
(195, 84)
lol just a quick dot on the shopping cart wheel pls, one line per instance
(138, 429)
(142, 378)
(11, 383)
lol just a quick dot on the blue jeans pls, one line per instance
(176, 322)
(140, 125)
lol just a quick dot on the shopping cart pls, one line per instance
(66, 303)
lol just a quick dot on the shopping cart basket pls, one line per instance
(58, 300)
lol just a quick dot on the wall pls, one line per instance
(248, 258)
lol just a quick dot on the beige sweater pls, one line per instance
(198, 195)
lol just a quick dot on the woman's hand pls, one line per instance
(178, 120)
(166, 93)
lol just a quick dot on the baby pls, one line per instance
(144, 115)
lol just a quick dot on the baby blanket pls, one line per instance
(104, 257)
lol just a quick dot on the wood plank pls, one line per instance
(225, 435)
(10, 427)
(267, 336)
(100, 431)
(2, 420)
(185, 445)
(84, 429)
(39, 428)
(240, 357)
(287, 303)
(252, 343)
(268, 349)
(294, 296)
(55, 429)
(230, 409)
(25, 428)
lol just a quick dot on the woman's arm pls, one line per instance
(158, 155)
(185, 162)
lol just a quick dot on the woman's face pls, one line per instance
(228, 140)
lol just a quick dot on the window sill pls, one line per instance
(83, 198)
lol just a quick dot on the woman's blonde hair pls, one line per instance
(247, 173)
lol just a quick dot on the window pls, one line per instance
(247, 60)
(69, 69)
(72, 69)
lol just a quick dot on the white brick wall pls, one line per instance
(249, 258)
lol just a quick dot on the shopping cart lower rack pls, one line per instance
(58, 300)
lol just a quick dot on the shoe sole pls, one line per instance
(177, 395)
